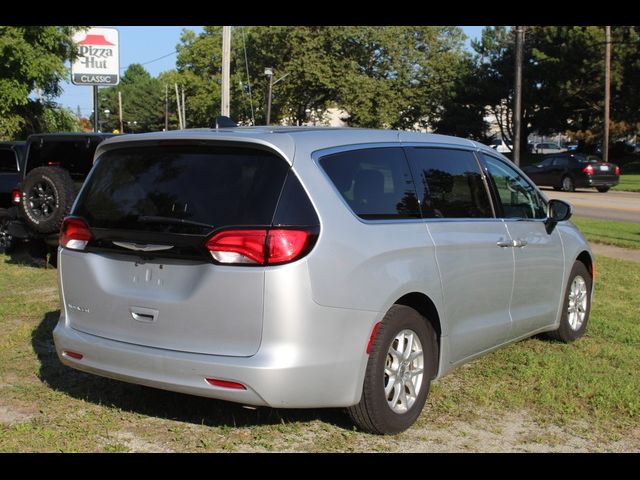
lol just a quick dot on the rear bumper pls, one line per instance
(285, 374)
(596, 181)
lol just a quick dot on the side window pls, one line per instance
(375, 182)
(8, 162)
(449, 183)
(560, 162)
(518, 197)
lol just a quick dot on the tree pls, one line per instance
(31, 61)
(142, 102)
(383, 76)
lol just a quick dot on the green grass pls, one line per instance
(629, 183)
(590, 388)
(609, 232)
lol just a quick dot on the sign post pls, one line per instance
(98, 62)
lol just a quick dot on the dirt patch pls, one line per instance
(133, 443)
(12, 415)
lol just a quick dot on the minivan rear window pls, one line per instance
(152, 188)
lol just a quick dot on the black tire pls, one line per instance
(603, 189)
(566, 184)
(47, 196)
(565, 333)
(373, 413)
(7, 242)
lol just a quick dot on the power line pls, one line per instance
(151, 61)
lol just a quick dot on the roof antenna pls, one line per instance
(224, 122)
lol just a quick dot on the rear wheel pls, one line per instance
(576, 307)
(401, 364)
(7, 242)
(47, 196)
(567, 184)
(603, 189)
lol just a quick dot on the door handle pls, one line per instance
(520, 243)
(506, 243)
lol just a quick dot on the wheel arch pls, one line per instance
(586, 258)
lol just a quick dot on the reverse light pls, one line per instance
(588, 170)
(74, 234)
(259, 247)
(225, 384)
(15, 196)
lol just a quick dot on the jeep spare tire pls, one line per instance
(47, 197)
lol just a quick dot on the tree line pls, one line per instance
(400, 77)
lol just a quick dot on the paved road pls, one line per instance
(624, 206)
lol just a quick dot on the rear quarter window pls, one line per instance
(375, 182)
(8, 162)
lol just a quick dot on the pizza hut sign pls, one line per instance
(98, 61)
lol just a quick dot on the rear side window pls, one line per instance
(375, 182)
(75, 156)
(449, 183)
(8, 163)
(153, 188)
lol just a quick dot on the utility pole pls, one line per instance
(96, 108)
(179, 109)
(166, 107)
(517, 103)
(269, 72)
(607, 93)
(184, 110)
(226, 65)
(120, 110)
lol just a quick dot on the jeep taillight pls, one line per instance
(74, 234)
(15, 196)
(272, 246)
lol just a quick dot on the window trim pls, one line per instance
(494, 189)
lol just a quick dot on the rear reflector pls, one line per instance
(15, 196)
(225, 384)
(372, 338)
(259, 247)
(74, 234)
(74, 355)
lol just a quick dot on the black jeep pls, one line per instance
(56, 165)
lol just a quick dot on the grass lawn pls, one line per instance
(609, 232)
(629, 183)
(590, 388)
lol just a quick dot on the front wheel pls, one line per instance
(576, 307)
(401, 364)
(603, 189)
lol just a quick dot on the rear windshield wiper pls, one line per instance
(172, 220)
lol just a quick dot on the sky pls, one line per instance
(146, 45)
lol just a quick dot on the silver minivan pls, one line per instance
(311, 267)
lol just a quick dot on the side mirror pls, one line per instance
(557, 211)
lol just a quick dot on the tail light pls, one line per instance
(74, 234)
(588, 170)
(260, 247)
(617, 170)
(15, 196)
